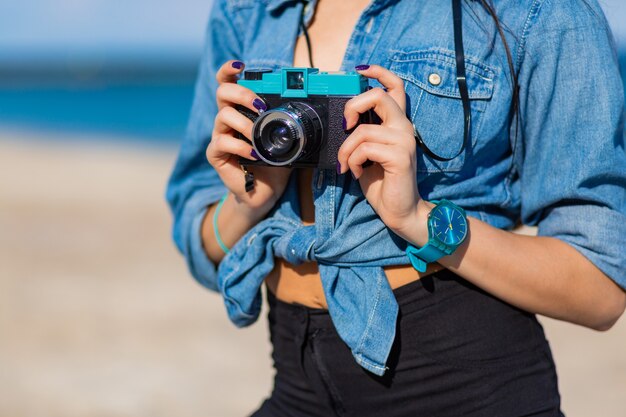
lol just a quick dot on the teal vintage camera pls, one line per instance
(302, 126)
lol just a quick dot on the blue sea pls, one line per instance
(149, 105)
(133, 102)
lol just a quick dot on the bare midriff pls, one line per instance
(302, 283)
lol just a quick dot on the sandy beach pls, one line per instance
(99, 316)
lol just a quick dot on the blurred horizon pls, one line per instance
(123, 69)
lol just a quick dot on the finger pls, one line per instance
(229, 119)
(229, 71)
(364, 133)
(393, 83)
(378, 100)
(230, 94)
(383, 154)
(223, 146)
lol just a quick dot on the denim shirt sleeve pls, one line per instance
(571, 157)
(194, 184)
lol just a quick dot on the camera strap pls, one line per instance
(303, 27)
(462, 83)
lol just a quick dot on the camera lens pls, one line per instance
(278, 137)
(287, 133)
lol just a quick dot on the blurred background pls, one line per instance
(98, 314)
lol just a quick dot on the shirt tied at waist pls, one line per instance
(350, 258)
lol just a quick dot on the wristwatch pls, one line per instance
(447, 229)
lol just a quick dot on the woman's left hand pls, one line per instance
(390, 184)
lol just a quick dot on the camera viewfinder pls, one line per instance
(295, 80)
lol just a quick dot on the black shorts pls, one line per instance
(458, 352)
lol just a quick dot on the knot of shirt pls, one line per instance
(350, 258)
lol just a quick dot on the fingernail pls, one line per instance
(254, 154)
(362, 67)
(259, 105)
(338, 168)
(353, 177)
(344, 123)
(237, 64)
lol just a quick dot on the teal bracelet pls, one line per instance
(217, 233)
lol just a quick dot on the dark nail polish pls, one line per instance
(361, 67)
(338, 168)
(237, 64)
(259, 105)
(254, 154)
(344, 124)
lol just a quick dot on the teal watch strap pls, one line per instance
(420, 258)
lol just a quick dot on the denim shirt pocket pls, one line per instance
(434, 102)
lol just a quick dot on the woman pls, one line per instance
(356, 329)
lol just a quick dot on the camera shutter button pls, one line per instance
(255, 74)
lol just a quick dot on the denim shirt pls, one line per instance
(563, 168)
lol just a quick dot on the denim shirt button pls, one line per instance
(434, 79)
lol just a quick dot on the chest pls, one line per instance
(330, 30)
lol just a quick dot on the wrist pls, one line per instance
(250, 214)
(228, 225)
(415, 230)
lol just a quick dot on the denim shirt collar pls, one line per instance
(273, 5)
(374, 6)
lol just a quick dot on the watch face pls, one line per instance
(448, 225)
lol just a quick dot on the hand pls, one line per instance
(390, 184)
(225, 148)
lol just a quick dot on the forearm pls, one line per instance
(234, 220)
(538, 274)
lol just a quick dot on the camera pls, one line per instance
(302, 126)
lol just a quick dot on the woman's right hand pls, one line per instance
(225, 148)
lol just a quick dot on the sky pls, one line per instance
(101, 27)
(44, 28)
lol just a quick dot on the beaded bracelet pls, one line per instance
(217, 233)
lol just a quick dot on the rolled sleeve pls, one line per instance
(571, 157)
(597, 232)
(194, 184)
(200, 266)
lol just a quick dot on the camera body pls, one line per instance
(303, 123)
